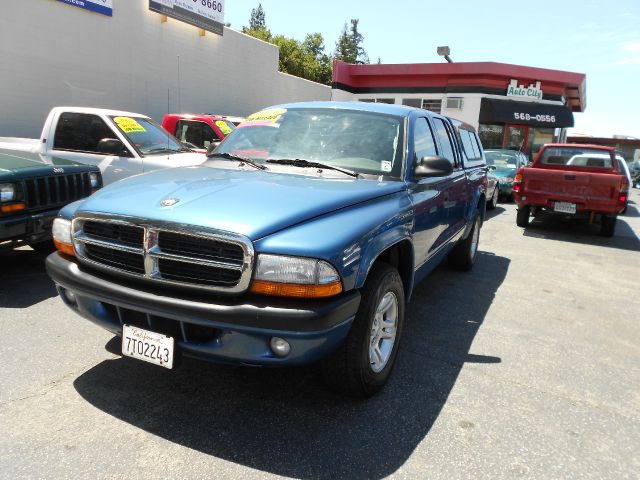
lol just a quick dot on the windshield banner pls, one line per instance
(105, 7)
(205, 14)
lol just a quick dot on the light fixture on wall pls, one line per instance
(444, 52)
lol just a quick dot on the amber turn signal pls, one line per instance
(13, 207)
(64, 248)
(295, 290)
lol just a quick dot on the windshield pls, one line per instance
(503, 160)
(365, 142)
(576, 157)
(147, 136)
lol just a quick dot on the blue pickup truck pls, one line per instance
(300, 240)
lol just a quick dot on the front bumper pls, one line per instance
(505, 188)
(26, 229)
(227, 330)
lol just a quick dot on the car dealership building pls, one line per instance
(511, 106)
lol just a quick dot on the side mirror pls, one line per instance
(491, 168)
(212, 146)
(113, 146)
(433, 167)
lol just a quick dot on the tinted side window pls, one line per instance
(468, 145)
(424, 144)
(80, 132)
(445, 141)
(197, 133)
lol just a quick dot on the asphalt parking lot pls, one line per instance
(527, 367)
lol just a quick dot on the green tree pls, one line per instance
(349, 45)
(305, 59)
(258, 25)
(257, 19)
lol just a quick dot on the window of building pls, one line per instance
(412, 102)
(80, 132)
(198, 134)
(491, 136)
(432, 105)
(424, 144)
(445, 140)
(367, 100)
(537, 138)
(390, 101)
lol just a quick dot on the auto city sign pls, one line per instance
(532, 91)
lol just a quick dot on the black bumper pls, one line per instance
(27, 229)
(218, 328)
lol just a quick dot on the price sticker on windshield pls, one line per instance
(224, 127)
(264, 117)
(128, 125)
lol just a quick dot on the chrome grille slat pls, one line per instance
(199, 258)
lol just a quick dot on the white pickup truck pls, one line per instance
(120, 143)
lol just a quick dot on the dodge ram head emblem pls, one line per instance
(169, 202)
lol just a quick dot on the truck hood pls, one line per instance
(253, 203)
(186, 159)
(22, 164)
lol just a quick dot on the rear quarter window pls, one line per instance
(471, 148)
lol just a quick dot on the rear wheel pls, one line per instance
(608, 225)
(362, 365)
(463, 255)
(522, 217)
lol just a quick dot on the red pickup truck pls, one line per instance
(198, 131)
(572, 179)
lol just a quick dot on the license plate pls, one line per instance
(148, 346)
(564, 207)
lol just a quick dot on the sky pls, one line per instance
(598, 38)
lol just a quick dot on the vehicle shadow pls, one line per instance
(283, 421)
(489, 214)
(23, 279)
(554, 227)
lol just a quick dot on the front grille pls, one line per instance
(204, 274)
(205, 259)
(56, 190)
(114, 258)
(127, 234)
(201, 247)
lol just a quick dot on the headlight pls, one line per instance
(7, 192)
(61, 232)
(295, 277)
(94, 178)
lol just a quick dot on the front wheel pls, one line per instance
(522, 216)
(463, 255)
(362, 365)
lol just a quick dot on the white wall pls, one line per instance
(55, 54)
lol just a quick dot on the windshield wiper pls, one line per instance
(299, 162)
(239, 158)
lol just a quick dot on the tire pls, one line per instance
(493, 203)
(354, 369)
(463, 255)
(608, 225)
(43, 247)
(522, 217)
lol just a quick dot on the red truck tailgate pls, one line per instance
(589, 191)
